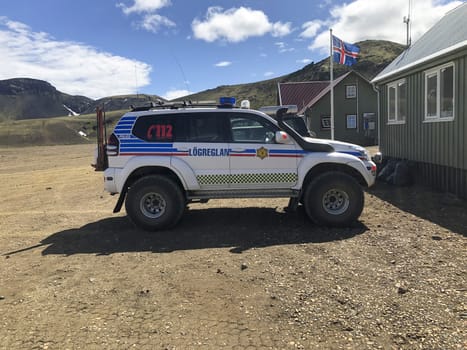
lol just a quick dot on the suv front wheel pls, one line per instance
(333, 199)
(155, 202)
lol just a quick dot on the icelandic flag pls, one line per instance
(344, 53)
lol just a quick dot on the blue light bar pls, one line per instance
(230, 101)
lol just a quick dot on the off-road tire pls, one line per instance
(333, 199)
(155, 202)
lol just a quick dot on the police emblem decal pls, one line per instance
(262, 153)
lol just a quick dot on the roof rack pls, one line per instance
(159, 104)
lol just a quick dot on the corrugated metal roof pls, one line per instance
(447, 35)
(306, 94)
(301, 93)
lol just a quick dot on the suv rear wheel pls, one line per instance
(155, 202)
(333, 199)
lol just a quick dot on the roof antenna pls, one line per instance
(407, 22)
(136, 81)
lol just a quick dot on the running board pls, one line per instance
(219, 194)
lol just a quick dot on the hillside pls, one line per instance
(53, 131)
(374, 56)
(25, 98)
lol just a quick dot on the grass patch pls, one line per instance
(54, 131)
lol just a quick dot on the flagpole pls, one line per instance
(331, 82)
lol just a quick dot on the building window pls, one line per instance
(350, 91)
(439, 93)
(397, 102)
(351, 121)
(326, 122)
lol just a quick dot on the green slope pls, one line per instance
(374, 56)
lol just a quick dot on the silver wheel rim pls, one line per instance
(336, 202)
(152, 205)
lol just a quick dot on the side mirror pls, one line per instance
(283, 138)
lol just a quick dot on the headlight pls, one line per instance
(363, 154)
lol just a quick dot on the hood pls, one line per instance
(343, 147)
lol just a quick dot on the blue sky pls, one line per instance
(172, 48)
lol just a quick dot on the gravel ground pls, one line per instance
(235, 274)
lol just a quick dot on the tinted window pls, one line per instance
(249, 128)
(298, 124)
(203, 127)
(156, 128)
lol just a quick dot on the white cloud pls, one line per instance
(72, 67)
(283, 47)
(268, 74)
(151, 21)
(380, 20)
(141, 6)
(223, 64)
(173, 94)
(235, 25)
(280, 29)
(311, 28)
(304, 61)
(280, 44)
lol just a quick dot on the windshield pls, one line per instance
(298, 124)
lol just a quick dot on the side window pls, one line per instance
(248, 128)
(156, 128)
(439, 93)
(204, 127)
(397, 102)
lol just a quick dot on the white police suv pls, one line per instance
(162, 157)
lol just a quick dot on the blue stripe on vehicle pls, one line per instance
(128, 118)
(146, 149)
(139, 145)
(244, 151)
(356, 154)
(284, 151)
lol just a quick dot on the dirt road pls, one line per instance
(235, 274)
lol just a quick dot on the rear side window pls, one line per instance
(156, 128)
(204, 127)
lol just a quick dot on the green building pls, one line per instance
(423, 105)
(355, 107)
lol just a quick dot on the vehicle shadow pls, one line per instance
(440, 208)
(239, 229)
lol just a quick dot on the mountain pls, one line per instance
(25, 98)
(374, 56)
(117, 103)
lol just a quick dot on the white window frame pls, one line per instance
(351, 91)
(437, 72)
(351, 121)
(397, 118)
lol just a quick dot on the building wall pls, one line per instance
(438, 150)
(365, 103)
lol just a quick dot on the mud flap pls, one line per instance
(121, 199)
(293, 204)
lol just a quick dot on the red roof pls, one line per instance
(301, 93)
(305, 94)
